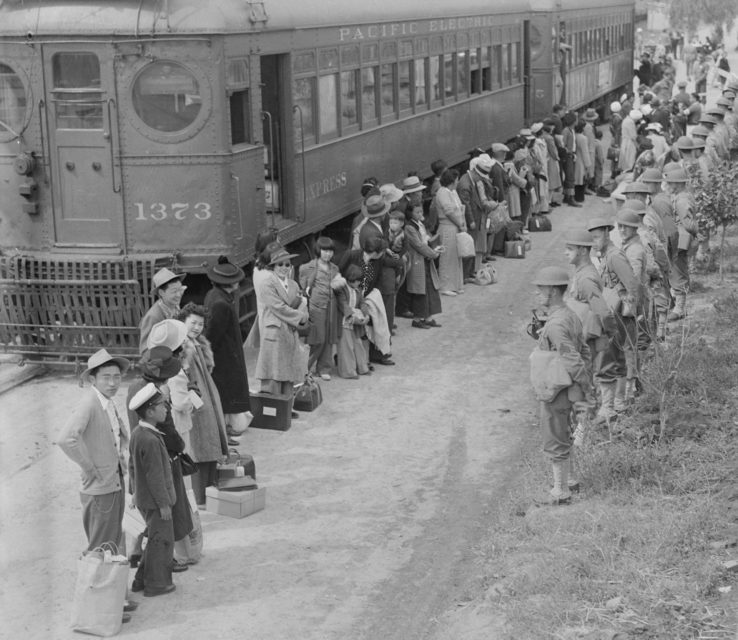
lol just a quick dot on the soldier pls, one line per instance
(721, 132)
(675, 185)
(731, 122)
(640, 191)
(712, 143)
(557, 394)
(622, 292)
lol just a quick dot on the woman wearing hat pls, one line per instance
(224, 333)
(168, 288)
(281, 363)
(158, 365)
(317, 279)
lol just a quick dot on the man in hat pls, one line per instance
(413, 189)
(153, 491)
(622, 290)
(721, 132)
(540, 153)
(562, 333)
(675, 184)
(640, 191)
(168, 288)
(569, 147)
(682, 97)
(660, 204)
(224, 332)
(590, 118)
(96, 438)
(555, 184)
(690, 153)
(373, 208)
(712, 145)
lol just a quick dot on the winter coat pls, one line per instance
(224, 333)
(422, 257)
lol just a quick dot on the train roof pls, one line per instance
(578, 5)
(168, 17)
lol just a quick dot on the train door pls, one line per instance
(276, 118)
(81, 130)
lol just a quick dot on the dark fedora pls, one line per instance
(159, 363)
(225, 272)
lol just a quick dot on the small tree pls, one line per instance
(717, 202)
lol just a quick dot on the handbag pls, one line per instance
(515, 249)
(548, 375)
(539, 223)
(237, 472)
(465, 245)
(189, 466)
(309, 396)
(99, 592)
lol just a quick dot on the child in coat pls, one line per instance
(352, 355)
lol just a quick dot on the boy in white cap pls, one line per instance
(168, 288)
(153, 491)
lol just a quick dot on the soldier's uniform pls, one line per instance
(684, 206)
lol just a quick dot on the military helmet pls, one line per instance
(671, 166)
(717, 112)
(551, 277)
(634, 205)
(709, 118)
(652, 174)
(685, 142)
(598, 223)
(636, 187)
(628, 218)
(699, 130)
(677, 175)
(724, 102)
(579, 238)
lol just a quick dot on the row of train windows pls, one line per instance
(336, 104)
(592, 44)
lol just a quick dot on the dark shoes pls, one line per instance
(420, 324)
(129, 606)
(179, 567)
(295, 415)
(134, 559)
(432, 323)
(386, 361)
(126, 618)
(137, 585)
(150, 593)
(406, 314)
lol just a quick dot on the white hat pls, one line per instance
(498, 147)
(536, 127)
(635, 114)
(646, 109)
(615, 107)
(484, 163)
(526, 133)
(167, 333)
(391, 193)
(624, 97)
(654, 126)
(142, 396)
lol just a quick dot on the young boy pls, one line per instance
(352, 355)
(153, 492)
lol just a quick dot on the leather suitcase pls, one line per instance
(228, 476)
(539, 223)
(271, 411)
(308, 396)
(515, 249)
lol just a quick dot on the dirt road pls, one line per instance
(375, 501)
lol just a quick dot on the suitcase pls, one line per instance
(539, 223)
(271, 411)
(308, 396)
(229, 476)
(515, 249)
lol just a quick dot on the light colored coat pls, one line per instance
(280, 352)
(87, 439)
(418, 251)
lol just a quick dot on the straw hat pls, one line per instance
(101, 358)
(163, 276)
(411, 184)
(168, 333)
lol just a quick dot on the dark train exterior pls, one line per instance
(135, 135)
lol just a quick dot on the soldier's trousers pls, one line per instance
(555, 417)
(620, 358)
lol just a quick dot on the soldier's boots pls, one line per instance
(680, 307)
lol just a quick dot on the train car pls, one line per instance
(137, 134)
(581, 53)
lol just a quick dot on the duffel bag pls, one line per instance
(539, 223)
(515, 249)
(308, 396)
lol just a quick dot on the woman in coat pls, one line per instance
(450, 222)
(206, 439)
(583, 164)
(224, 333)
(422, 278)
(281, 362)
(316, 277)
(628, 137)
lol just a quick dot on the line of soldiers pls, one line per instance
(600, 320)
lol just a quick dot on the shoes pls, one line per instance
(232, 442)
(460, 291)
(370, 366)
(489, 259)
(178, 567)
(432, 323)
(150, 593)
(137, 586)
(448, 293)
(295, 415)
(126, 618)
(555, 204)
(386, 361)
(420, 324)
(394, 326)
(134, 559)
(325, 376)
(469, 280)
(406, 314)
(129, 605)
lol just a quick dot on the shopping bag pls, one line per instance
(192, 542)
(308, 396)
(464, 245)
(99, 594)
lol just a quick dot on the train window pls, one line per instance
(12, 103)
(486, 69)
(350, 56)
(370, 53)
(304, 62)
(303, 91)
(166, 96)
(406, 48)
(369, 113)
(240, 117)
(349, 106)
(420, 96)
(436, 46)
(515, 61)
(505, 80)
(449, 77)
(389, 50)
(436, 76)
(77, 90)
(621, 37)
(388, 90)
(421, 47)
(475, 71)
(328, 59)
(606, 42)
(497, 66)
(237, 72)
(462, 72)
(405, 84)
(328, 105)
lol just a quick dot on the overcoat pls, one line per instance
(324, 318)
(224, 334)
(421, 258)
(280, 354)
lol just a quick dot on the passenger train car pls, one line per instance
(136, 134)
